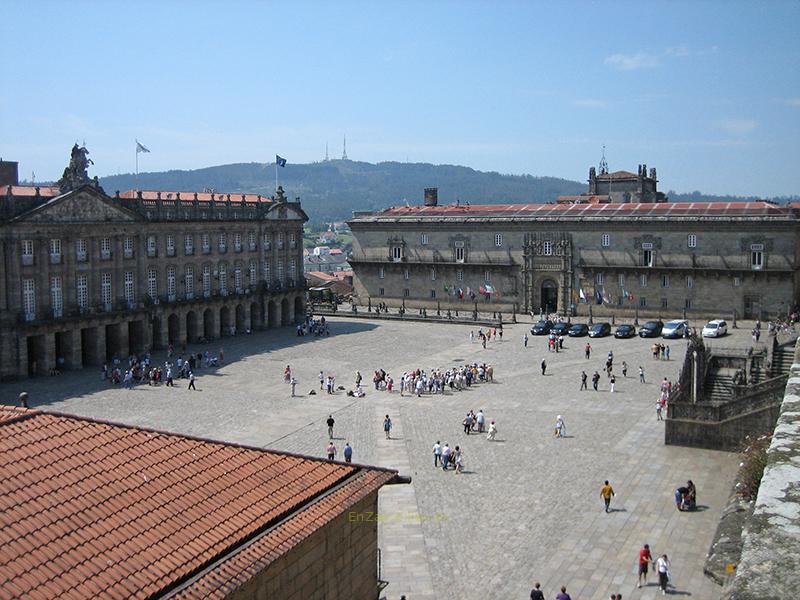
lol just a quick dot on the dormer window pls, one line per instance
(397, 253)
(460, 251)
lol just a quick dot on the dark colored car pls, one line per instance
(600, 330)
(542, 327)
(651, 329)
(625, 331)
(578, 330)
(560, 328)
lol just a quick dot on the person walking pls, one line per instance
(544, 366)
(492, 431)
(525, 340)
(595, 380)
(348, 452)
(641, 374)
(645, 559)
(459, 459)
(662, 568)
(321, 380)
(584, 377)
(480, 419)
(588, 350)
(445, 456)
(659, 409)
(191, 381)
(563, 595)
(606, 492)
(624, 369)
(468, 423)
(536, 593)
(560, 428)
(613, 383)
(294, 386)
(331, 421)
(437, 454)
(331, 450)
(666, 352)
(387, 427)
(169, 383)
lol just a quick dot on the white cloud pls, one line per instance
(737, 126)
(632, 62)
(589, 103)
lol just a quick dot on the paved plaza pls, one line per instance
(528, 505)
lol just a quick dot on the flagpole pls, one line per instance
(276, 173)
(137, 163)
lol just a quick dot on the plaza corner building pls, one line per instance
(92, 509)
(620, 248)
(87, 276)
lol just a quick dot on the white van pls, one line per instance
(675, 329)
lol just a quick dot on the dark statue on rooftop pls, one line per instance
(280, 195)
(76, 175)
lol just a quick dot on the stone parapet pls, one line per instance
(770, 564)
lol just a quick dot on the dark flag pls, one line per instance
(281, 162)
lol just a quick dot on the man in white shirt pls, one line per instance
(437, 454)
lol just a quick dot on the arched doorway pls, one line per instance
(299, 313)
(241, 321)
(208, 324)
(224, 321)
(286, 318)
(255, 316)
(549, 296)
(191, 327)
(271, 314)
(173, 329)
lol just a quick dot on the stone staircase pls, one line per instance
(782, 359)
(719, 385)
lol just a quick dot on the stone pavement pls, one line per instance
(527, 507)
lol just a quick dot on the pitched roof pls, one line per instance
(618, 175)
(90, 508)
(640, 211)
(46, 191)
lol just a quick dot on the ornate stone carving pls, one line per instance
(75, 174)
(79, 208)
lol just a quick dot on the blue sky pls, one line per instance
(707, 92)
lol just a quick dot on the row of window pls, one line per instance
(487, 275)
(81, 254)
(220, 273)
(665, 280)
(605, 241)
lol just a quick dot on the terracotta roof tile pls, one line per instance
(90, 508)
(201, 196)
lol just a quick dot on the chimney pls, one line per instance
(431, 196)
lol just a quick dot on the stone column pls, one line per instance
(74, 356)
(48, 359)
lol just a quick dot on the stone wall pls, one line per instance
(337, 562)
(770, 563)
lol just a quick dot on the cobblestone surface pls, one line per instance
(527, 507)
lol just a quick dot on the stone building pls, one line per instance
(653, 258)
(93, 509)
(88, 277)
(619, 187)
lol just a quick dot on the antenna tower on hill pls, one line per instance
(344, 148)
(326, 152)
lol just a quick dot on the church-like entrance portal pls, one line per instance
(549, 296)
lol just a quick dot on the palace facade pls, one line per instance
(651, 257)
(88, 277)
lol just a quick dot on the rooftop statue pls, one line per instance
(75, 174)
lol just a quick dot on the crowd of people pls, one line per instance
(141, 369)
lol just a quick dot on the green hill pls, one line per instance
(332, 190)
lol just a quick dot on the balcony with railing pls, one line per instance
(152, 252)
(55, 258)
(188, 250)
(222, 248)
(170, 250)
(206, 250)
(127, 253)
(190, 295)
(237, 247)
(80, 255)
(27, 260)
(105, 254)
(252, 247)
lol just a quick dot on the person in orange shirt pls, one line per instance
(607, 492)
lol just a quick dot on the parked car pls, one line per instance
(561, 328)
(600, 330)
(625, 331)
(542, 327)
(651, 329)
(715, 328)
(674, 329)
(578, 330)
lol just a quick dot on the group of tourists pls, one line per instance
(660, 351)
(140, 369)
(444, 456)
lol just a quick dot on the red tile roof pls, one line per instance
(30, 190)
(618, 175)
(644, 211)
(201, 196)
(89, 508)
